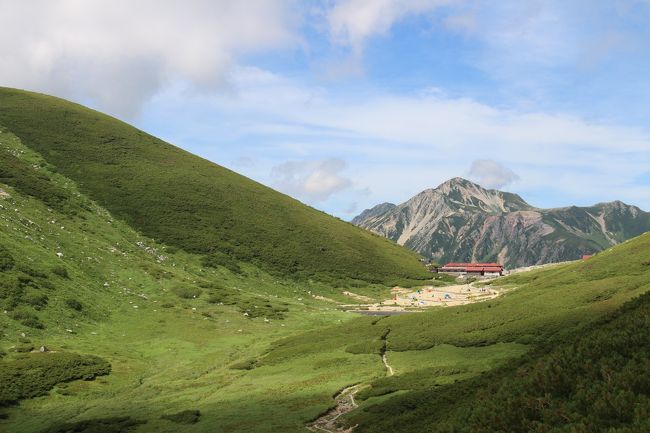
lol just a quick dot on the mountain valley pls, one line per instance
(143, 289)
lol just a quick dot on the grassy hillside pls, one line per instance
(557, 310)
(185, 201)
(452, 345)
(593, 380)
(161, 333)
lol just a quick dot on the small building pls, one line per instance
(483, 269)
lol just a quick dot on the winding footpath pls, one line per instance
(345, 403)
(389, 369)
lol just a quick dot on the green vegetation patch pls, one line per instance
(187, 291)
(35, 374)
(217, 259)
(249, 305)
(596, 381)
(187, 202)
(184, 417)
(98, 425)
(7, 261)
(31, 181)
(424, 369)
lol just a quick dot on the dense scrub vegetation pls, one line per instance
(184, 417)
(31, 375)
(28, 180)
(97, 425)
(23, 291)
(185, 201)
(251, 306)
(593, 380)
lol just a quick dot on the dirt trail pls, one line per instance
(344, 403)
(387, 365)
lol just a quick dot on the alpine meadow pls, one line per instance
(184, 245)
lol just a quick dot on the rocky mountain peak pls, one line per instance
(456, 183)
(462, 221)
(464, 193)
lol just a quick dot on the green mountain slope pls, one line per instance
(185, 201)
(594, 381)
(586, 372)
(161, 332)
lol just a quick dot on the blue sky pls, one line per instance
(344, 104)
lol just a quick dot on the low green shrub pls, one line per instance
(23, 348)
(32, 272)
(217, 259)
(184, 417)
(7, 261)
(27, 318)
(36, 300)
(262, 308)
(61, 271)
(224, 296)
(74, 304)
(248, 364)
(33, 322)
(187, 292)
(37, 373)
(98, 425)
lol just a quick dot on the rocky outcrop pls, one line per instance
(461, 221)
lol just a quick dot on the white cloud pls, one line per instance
(313, 181)
(116, 54)
(490, 174)
(401, 144)
(352, 22)
(524, 43)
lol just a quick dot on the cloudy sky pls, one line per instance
(347, 103)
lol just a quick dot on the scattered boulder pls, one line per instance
(43, 349)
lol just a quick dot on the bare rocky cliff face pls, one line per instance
(461, 221)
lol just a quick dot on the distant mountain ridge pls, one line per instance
(462, 221)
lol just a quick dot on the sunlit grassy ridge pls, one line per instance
(82, 283)
(592, 380)
(563, 384)
(455, 344)
(188, 202)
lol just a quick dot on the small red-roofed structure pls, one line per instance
(473, 268)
